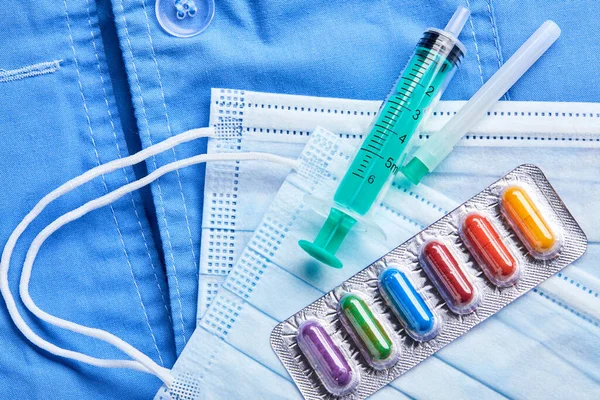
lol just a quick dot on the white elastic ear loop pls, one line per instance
(61, 190)
(145, 363)
(103, 201)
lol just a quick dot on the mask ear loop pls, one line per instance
(140, 361)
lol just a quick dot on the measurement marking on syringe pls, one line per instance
(391, 116)
(398, 92)
(423, 58)
(426, 64)
(360, 176)
(389, 121)
(382, 127)
(408, 89)
(372, 152)
(405, 98)
(400, 105)
(421, 67)
(409, 85)
(412, 80)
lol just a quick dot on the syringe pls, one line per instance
(428, 156)
(417, 90)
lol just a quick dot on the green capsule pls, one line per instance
(367, 331)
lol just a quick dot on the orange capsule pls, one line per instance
(487, 247)
(527, 221)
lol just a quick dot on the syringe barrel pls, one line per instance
(409, 103)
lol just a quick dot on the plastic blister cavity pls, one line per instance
(330, 364)
(522, 213)
(368, 331)
(493, 255)
(412, 310)
(452, 280)
(430, 290)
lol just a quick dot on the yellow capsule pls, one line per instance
(525, 217)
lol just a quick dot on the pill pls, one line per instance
(326, 358)
(449, 277)
(528, 222)
(367, 331)
(488, 249)
(408, 305)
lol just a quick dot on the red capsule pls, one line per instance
(450, 279)
(489, 250)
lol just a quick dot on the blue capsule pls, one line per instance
(413, 312)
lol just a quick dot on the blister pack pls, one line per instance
(431, 289)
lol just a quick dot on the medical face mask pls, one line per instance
(230, 351)
(551, 135)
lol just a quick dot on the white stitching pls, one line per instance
(110, 117)
(164, 103)
(137, 79)
(29, 70)
(496, 41)
(475, 41)
(91, 132)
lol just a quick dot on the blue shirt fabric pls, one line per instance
(68, 105)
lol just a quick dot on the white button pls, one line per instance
(185, 18)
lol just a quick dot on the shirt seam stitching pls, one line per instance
(27, 71)
(159, 189)
(164, 104)
(475, 40)
(97, 155)
(118, 148)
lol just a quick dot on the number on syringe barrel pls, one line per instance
(429, 91)
(390, 164)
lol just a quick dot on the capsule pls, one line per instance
(367, 332)
(490, 252)
(449, 277)
(526, 219)
(412, 311)
(326, 358)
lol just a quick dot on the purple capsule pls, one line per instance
(326, 358)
